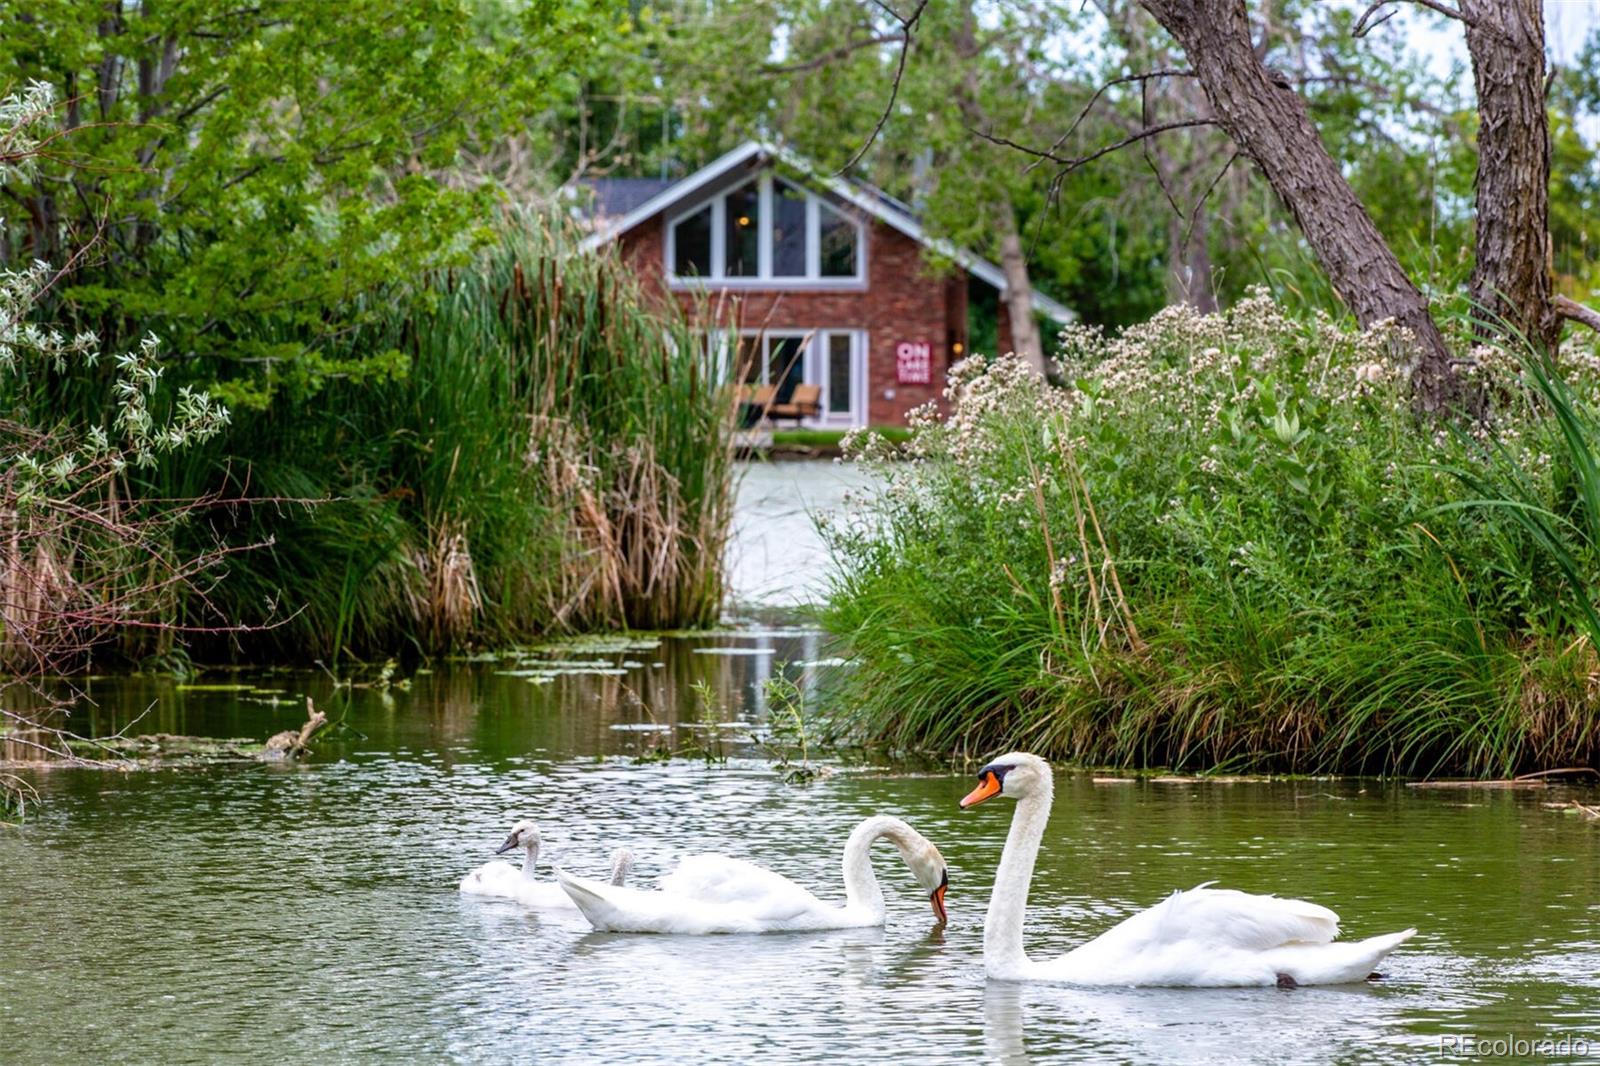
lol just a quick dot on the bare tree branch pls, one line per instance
(1572, 309)
(908, 27)
(1188, 229)
(1069, 164)
(843, 50)
(1142, 79)
(1363, 26)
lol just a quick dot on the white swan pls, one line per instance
(1203, 937)
(501, 880)
(718, 894)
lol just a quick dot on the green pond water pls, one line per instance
(309, 912)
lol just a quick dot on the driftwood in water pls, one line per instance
(292, 743)
(1525, 781)
(1590, 813)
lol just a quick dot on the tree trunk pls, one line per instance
(1269, 122)
(1510, 273)
(1018, 296)
(1189, 261)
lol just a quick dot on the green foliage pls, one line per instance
(1229, 544)
(787, 739)
(258, 171)
(557, 457)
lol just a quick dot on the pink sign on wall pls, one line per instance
(913, 363)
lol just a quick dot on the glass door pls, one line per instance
(841, 372)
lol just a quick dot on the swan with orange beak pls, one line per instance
(1204, 937)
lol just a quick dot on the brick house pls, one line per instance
(805, 279)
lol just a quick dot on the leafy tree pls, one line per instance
(255, 174)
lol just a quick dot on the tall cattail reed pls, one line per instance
(532, 445)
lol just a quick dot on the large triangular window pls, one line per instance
(767, 230)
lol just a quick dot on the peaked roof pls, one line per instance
(617, 196)
(885, 209)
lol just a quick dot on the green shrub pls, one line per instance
(549, 453)
(1229, 542)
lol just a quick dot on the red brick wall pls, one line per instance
(902, 302)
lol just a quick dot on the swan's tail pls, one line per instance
(1339, 964)
(619, 909)
(587, 895)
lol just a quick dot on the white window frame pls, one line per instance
(764, 278)
(813, 368)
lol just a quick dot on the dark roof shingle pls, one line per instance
(615, 197)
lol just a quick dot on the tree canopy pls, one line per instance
(243, 179)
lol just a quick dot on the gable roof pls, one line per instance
(885, 209)
(614, 197)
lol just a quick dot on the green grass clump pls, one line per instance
(1231, 543)
(550, 453)
(833, 438)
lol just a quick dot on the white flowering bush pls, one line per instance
(82, 559)
(1228, 539)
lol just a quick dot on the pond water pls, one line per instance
(309, 912)
(778, 560)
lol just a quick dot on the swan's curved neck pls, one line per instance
(530, 858)
(860, 883)
(621, 865)
(1003, 955)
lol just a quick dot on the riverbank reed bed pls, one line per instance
(551, 454)
(1230, 542)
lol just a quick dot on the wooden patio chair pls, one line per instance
(804, 402)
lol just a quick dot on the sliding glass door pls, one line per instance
(832, 360)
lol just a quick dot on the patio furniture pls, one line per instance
(804, 402)
(754, 401)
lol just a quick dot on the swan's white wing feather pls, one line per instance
(616, 908)
(502, 880)
(1210, 937)
(1229, 918)
(755, 890)
(1210, 920)
(491, 879)
(620, 909)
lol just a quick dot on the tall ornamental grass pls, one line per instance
(552, 454)
(1230, 543)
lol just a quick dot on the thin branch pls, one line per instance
(1363, 26)
(1167, 72)
(1069, 164)
(908, 27)
(832, 54)
(1194, 216)
(1572, 309)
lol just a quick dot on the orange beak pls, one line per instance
(938, 903)
(988, 787)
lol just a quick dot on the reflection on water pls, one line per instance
(309, 912)
(777, 558)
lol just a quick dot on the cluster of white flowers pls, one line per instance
(19, 291)
(21, 113)
(1215, 401)
(141, 436)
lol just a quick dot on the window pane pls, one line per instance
(839, 373)
(788, 231)
(691, 245)
(838, 244)
(785, 365)
(742, 229)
